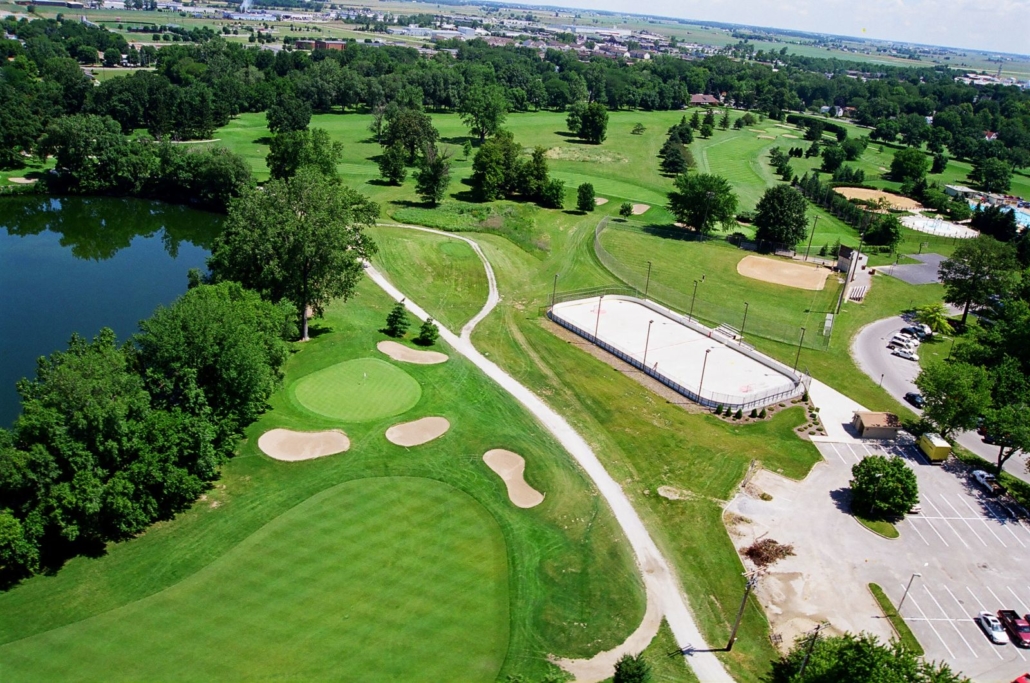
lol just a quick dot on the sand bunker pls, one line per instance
(418, 432)
(766, 137)
(783, 272)
(640, 208)
(291, 446)
(896, 202)
(406, 354)
(22, 181)
(788, 135)
(510, 467)
(600, 201)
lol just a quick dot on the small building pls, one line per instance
(849, 260)
(960, 191)
(330, 45)
(876, 425)
(703, 101)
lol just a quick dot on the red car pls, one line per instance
(1025, 678)
(1018, 628)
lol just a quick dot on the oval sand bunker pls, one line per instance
(291, 446)
(418, 432)
(511, 467)
(406, 354)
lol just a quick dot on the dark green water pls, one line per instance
(80, 264)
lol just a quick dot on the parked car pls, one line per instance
(1025, 678)
(907, 354)
(915, 399)
(992, 628)
(914, 332)
(1018, 628)
(902, 340)
(987, 482)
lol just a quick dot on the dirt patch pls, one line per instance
(600, 201)
(291, 446)
(895, 202)
(673, 493)
(406, 354)
(22, 181)
(601, 666)
(418, 432)
(511, 468)
(788, 135)
(638, 209)
(587, 155)
(784, 273)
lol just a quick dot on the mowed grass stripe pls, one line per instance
(374, 579)
(358, 390)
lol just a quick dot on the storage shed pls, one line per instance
(876, 425)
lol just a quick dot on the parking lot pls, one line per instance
(971, 552)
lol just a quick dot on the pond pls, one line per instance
(79, 264)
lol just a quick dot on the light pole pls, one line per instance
(741, 340)
(881, 379)
(907, 588)
(800, 342)
(646, 342)
(647, 283)
(702, 382)
(554, 290)
(815, 223)
(600, 300)
(752, 580)
(876, 491)
(694, 296)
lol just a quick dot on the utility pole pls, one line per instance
(647, 283)
(752, 581)
(811, 646)
(815, 223)
(798, 357)
(741, 340)
(554, 290)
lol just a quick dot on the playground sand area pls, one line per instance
(406, 354)
(291, 446)
(784, 273)
(511, 468)
(416, 433)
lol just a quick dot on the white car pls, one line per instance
(907, 354)
(903, 341)
(992, 627)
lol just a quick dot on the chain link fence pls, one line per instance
(780, 328)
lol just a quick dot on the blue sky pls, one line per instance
(991, 25)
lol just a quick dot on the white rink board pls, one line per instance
(675, 350)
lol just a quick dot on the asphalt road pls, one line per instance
(898, 375)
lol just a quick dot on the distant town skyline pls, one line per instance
(996, 26)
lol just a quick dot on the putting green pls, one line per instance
(389, 578)
(358, 390)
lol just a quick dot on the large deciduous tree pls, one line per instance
(433, 175)
(977, 270)
(883, 487)
(702, 200)
(298, 240)
(409, 127)
(287, 113)
(483, 109)
(780, 216)
(292, 150)
(589, 122)
(1009, 427)
(909, 164)
(956, 394)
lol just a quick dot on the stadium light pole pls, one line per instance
(907, 588)
(815, 223)
(702, 382)
(798, 357)
(741, 340)
(694, 296)
(554, 290)
(600, 300)
(647, 282)
(646, 342)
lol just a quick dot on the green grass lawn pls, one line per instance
(386, 574)
(878, 526)
(397, 562)
(905, 635)
(357, 390)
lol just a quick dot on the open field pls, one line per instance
(385, 557)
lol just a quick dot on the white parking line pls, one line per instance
(852, 450)
(984, 519)
(927, 520)
(915, 527)
(1019, 599)
(953, 624)
(977, 623)
(1012, 515)
(838, 454)
(966, 520)
(915, 602)
(930, 503)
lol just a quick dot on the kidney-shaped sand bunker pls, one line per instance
(291, 446)
(511, 468)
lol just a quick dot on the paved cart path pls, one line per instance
(660, 582)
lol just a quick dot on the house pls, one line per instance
(960, 191)
(330, 45)
(876, 425)
(990, 135)
(703, 101)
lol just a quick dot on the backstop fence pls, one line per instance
(818, 325)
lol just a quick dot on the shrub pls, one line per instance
(428, 333)
(397, 321)
(718, 409)
(754, 412)
(762, 415)
(626, 210)
(739, 414)
(585, 198)
(804, 396)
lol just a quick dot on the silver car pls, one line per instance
(992, 627)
